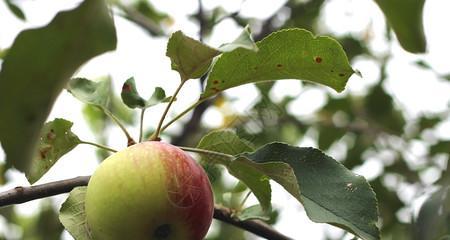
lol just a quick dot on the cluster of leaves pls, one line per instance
(316, 180)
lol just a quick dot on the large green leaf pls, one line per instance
(433, 220)
(73, 216)
(37, 67)
(286, 54)
(56, 140)
(405, 18)
(329, 192)
(192, 58)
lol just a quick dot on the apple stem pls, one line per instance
(121, 126)
(155, 135)
(98, 145)
(141, 127)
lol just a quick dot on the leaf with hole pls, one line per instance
(73, 216)
(286, 54)
(55, 141)
(34, 72)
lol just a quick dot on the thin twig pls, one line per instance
(99, 146)
(155, 135)
(130, 140)
(19, 195)
(141, 125)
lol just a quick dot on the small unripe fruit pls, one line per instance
(149, 191)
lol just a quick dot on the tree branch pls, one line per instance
(254, 226)
(24, 194)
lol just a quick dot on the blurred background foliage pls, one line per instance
(356, 129)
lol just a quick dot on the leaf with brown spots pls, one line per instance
(286, 54)
(55, 140)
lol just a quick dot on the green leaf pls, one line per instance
(329, 192)
(56, 140)
(255, 177)
(73, 216)
(226, 141)
(192, 58)
(405, 18)
(34, 72)
(158, 96)
(130, 95)
(286, 54)
(132, 99)
(90, 92)
(253, 212)
(15, 10)
(434, 216)
(189, 57)
(244, 40)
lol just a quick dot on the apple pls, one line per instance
(149, 191)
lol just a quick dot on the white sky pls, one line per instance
(144, 58)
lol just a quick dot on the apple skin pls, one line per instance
(149, 191)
